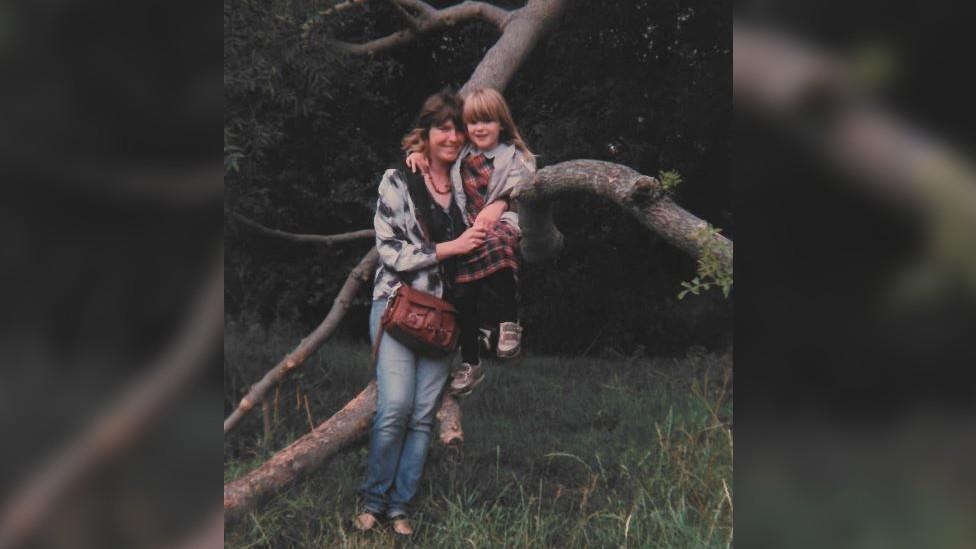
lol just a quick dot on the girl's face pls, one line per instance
(484, 135)
(444, 142)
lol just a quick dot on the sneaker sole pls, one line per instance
(467, 390)
(509, 354)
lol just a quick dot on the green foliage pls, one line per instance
(558, 452)
(670, 180)
(713, 269)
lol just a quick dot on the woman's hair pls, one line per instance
(438, 108)
(487, 105)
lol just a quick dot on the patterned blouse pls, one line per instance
(405, 255)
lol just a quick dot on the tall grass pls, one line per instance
(558, 452)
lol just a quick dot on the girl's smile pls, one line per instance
(484, 135)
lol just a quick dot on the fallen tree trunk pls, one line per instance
(305, 454)
(311, 450)
(362, 273)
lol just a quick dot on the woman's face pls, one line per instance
(444, 142)
(484, 135)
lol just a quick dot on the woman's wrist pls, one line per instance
(444, 250)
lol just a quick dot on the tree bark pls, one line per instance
(640, 195)
(449, 416)
(362, 273)
(521, 33)
(305, 454)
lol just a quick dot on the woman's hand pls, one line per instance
(469, 241)
(490, 214)
(417, 161)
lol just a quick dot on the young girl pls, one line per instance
(488, 169)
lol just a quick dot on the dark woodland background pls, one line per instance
(308, 131)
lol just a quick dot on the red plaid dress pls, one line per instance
(500, 250)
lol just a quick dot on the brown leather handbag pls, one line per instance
(423, 322)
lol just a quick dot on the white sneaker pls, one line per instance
(509, 339)
(465, 378)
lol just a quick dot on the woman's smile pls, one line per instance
(445, 142)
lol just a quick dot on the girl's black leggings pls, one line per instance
(502, 282)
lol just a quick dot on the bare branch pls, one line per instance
(343, 6)
(362, 273)
(306, 238)
(374, 46)
(429, 19)
(305, 454)
(469, 11)
(120, 424)
(413, 21)
(327, 439)
(423, 8)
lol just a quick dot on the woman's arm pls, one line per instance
(490, 214)
(390, 223)
(469, 241)
(396, 251)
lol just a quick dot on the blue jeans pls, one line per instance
(408, 386)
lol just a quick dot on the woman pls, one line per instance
(419, 230)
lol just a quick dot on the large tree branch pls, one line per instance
(428, 19)
(640, 195)
(519, 36)
(362, 273)
(306, 238)
(303, 455)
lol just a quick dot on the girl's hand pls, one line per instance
(417, 161)
(490, 214)
(470, 240)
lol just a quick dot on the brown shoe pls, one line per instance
(465, 379)
(509, 339)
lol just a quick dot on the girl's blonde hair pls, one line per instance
(487, 105)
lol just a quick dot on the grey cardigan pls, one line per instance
(511, 167)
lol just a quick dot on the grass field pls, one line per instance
(558, 452)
